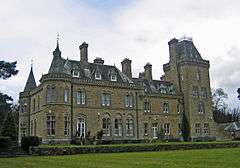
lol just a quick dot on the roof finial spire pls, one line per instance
(31, 63)
(57, 40)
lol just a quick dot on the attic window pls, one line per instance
(75, 74)
(98, 75)
(113, 77)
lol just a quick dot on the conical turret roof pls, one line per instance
(31, 83)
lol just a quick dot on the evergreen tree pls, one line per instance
(7, 69)
(9, 127)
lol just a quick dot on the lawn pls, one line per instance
(209, 158)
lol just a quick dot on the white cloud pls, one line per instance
(139, 30)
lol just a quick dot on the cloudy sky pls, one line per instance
(115, 29)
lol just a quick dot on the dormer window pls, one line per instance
(98, 75)
(75, 74)
(113, 77)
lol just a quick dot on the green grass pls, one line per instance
(214, 158)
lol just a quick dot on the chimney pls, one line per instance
(98, 61)
(127, 68)
(173, 49)
(148, 71)
(84, 52)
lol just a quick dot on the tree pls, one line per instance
(9, 127)
(219, 97)
(7, 69)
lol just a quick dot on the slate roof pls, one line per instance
(156, 86)
(188, 51)
(31, 83)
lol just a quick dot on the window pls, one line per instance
(129, 126)
(31, 126)
(98, 75)
(23, 131)
(203, 92)
(129, 101)
(75, 74)
(198, 75)
(113, 77)
(206, 128)
(106, 99)
(178, 108)
(51, 124)
(195, 91)
(34, 104)
(106, 125)
(66, 125)
(145, 128)
(147, 106)
(155, 130)
(179, 128)
(197, 128)
(166, 128)
(66, 95)
(81, 127)
(35, 127)
(201, 108)
(38, 102)
(51, 94)
(81, 97)
(118, 126)
(165, 108)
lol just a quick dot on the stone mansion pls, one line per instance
(78, 97)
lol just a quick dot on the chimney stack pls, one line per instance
(173, 49)
(148, 71)
(127, 68)
(98, 60)
(83, 52)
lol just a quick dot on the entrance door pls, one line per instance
(81, 127)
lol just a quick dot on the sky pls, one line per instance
(118, 29)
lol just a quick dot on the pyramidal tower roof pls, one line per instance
(31, 83)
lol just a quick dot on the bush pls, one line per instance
(30, 141)
(5, 142)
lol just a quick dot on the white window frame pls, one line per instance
(113, 77)
(75, 74)
(66, 95)
(81, 97)
(66, 125)
(166, 107)
(129, 126)
(51, 125)
(98, 76)
(118, 126)
(106, 99)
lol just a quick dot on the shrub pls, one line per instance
(5, 142)
(30, 141)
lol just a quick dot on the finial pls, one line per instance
(31, 63)
(57, 38)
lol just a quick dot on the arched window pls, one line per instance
(118, 125)
(66, 95)
(106, 125)
(81, 127)
(129, 126)
(66, 125)
(51, 94)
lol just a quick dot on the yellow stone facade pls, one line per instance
(77, 98)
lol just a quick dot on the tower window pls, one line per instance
(98, 75)
(201, 108)
(113, 77)
(195, 91)
(197, 128)
(165, 108)
(147, 106)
